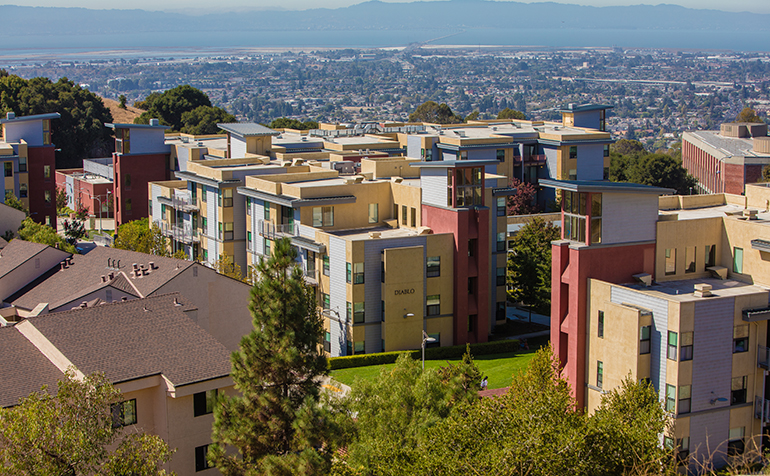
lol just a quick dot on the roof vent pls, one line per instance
(702, 290)
(176, 302)
(152, 265)
(374, 234)
(750, 214)
(570, 106)
(643, 278)
(104, 278)
(123, 299)
(64, 264)
(154, 122)
(397, 179)
(10, 115)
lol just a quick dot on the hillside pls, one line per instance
(121, 116)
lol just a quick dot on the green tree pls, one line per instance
(509, 113)
(659, 170)
(472, 116)
(139, 235)
(74, 230)
(435, 113)
(529, 265)
(275, 422)
(71, 433)
(80, 131)
(628, 147)
(287, 123)
(747, 114)
(13, 202)
(765, 174)
(44, 234)
(122, 103)
(170, 107)
(61, 200)
(225, 265)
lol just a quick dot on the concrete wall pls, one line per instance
(148, 141)
(29, 131)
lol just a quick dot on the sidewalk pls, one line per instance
(522, 314)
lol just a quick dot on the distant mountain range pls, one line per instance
(376, 15)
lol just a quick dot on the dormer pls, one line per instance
(34, 130)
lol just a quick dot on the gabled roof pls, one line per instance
(134, 339)
(247, 129)
(24, 369)
(120, 282)
(18, 252)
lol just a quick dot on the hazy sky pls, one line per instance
(755, 6)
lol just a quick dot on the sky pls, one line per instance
(754, 6)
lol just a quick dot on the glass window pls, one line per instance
(348, 272)
(203, 402)
(349, 311)
(127, 180)
(683, 450)
(326, 301)
(227, 197)
(47, 197)
(670, 261)
(500, 154)
(248, 238)
(735, 443)
(433, 266)
(500, 277)
(606, 150)
(327, 341)
(689, 259)
(414, 217)
(310, 264)
(359, 313)
(374, 213)
(358, 273)
(359, 347)
(267, 247)
(501, 206)
(404, 211)
(229, 230)
(46, 171)
(323, 216)
(740, 339)
(711, 255)
(8, 169)
(672, 345)
(738, 390)
(433, 305)
(599, 374)
(596, 231)
(573, 152)
(326, 265)
(203, 194)
(596, 205)
(685, 348)
(202, 458)
(23, 190)
(738, 260)
(685, 392)
(501, 241)
(266, 211)
(123, 413)
(204, 225)
(670, 398)
(22, 164)
(600, 325)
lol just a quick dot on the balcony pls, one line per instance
(182, 201)
(532, 159)
(271, 231)
(183, 234)
(763, 357)
(762, 409)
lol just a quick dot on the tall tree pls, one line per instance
(139, 235)
(44, 234)
(72, 433)
(276, 422)
(747, 114)
(509, 113)
(529, 264)
(171, 106)
(432, 112)
(204, 119)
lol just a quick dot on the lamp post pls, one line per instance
(428, 339)
(100, 209)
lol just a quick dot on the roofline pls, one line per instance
(454, 164)
(585, 107)
(224, 127)
(36, 117)
(134, 126)
(595, 186)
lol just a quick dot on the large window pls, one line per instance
(501, 241)
(711, 255)
(670, 261)
(577, 208)
(685, 348)
(227, 197)
(685, 395)
(323, 216)
(738, 260)
(573, 152)
(433, 305)
(689, 259)
(500, 277)
(359, 313)
(644, 339)
(374, 215)
(467, 189)
(359, 347)
(202, 458)
(358, 273)
(203, 402)
(735, 443)
(327, 341)
(433, 266)
(600, 325)
(670, 398)
(8, 169)
(740, 339)
(672, 345)
(738, 390)
(123, 413)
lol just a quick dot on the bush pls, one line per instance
(434, 353)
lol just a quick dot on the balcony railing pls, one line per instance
(271, 231)
(184, 234)
(763, 357)
(761, 404)
(534, 159)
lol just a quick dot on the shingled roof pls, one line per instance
(24, 369)
(16, 253)
(138, 338)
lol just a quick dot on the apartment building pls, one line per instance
(84, 189)
(725, 161)
(29, 163)
(672, 290)
(167, 368)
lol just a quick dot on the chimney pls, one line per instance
(64, 264)
(152, 265)
(123, 299)
(135, 266)
(10, 115)
(56, 245)
(69, 260)
(176, 302)
(104, 278)
(702, 290)
(112, 275)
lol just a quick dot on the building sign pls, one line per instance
(400, 292)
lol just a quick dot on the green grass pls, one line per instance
(498, 367)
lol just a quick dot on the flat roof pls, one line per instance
(135, 126)
(604, 186)
(36, 117)
(730, 146)
(385, 232)
(584, 107)
(454, 164)
(247, 129)
(682, 290)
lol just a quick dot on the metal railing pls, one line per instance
(763, 357)
(271, 231)
(182, 200)
(184, 234)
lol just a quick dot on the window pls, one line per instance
(711, 255)
(204, 224)
(468, 185)
(248, 239)
(501, 241)
(359, 347)
(23, 190)
(600, 325)
(500, 277)
(433, 305)
(735, 444)
(128, 206)
(644, 339)
(47, 197)
(194, 193)
(8, 167)
(670, 398)
(358, 273)
(573, 152)
(689, 259)
(203, 402)
(433, 267)
(670, 261)
(382, 271)
(229, 230)
(47, 171)
(501, 206)
(123, 413)
(599, 373)
(267, 211)
(414, 217)
(672, 344)
(348, 272)
(48, 220)
(738, 260)
(500, 155)
(395, 211)
(220, 231)
(374, 213)
(738, 390)
(227, 197)
(606, 174)
(205, 254)
(472, 247)
(359, 313)
(323, 216)
(606, 150)
(740, 339)
(348, 311)
(382, 311)
(267, 247)
(203, 194)
(201, 458)
(575, 207)
(127, 181)
(327, 341)
(404, 211)
(685, 348)
(685, 393)
(500, 311)
(436, 340)
(248, 206)
(22, 164)
(326, 265)
(683, 450)
(310, 264)
(326, 301)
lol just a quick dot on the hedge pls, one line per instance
(433, 353)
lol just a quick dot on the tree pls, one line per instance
(472, 116)
(287, 123)
(521, 203)
(44, 234)
(74, 230)
(71, 433)
(765, 174)
(529, 264)
(509, 113)
(747, 114)
(432, 112)
(61, 200)
(170, 107)
(13, 202)
(658, 170)
(122, 103)
(225, 265)
(139, 235)
(628, 147)
(80, 131)
(275, 422)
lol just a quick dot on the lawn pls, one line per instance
(498, 367)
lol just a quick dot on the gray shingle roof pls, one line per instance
(24, 369)
(16, 253)
(245, 129)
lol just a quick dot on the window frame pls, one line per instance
(121, 418)
(374, 213)
(672, 349)
(433, 270)
(600, 325)
(8, 169)
(738, 390)
(685, 346)
(202, 458)
(359, 312)
(740, 341)
(599, 374)
(669, 259)
(684, 400)
(433, 305)
(359, 273)
(670, 398)
(203, 402)
(326, 265)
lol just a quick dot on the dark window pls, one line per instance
(123, 413)
(202, 458)
(600, 326)
(22, 164)
(47, 171)
(501, 206)
(500, 277)
(685, 347)
(47, 197)
(348, 272)
(326, 301)
(740, 339)
(606, 150)
(358, 273)
(327, 341)
(127, 180)
(248, 205)
(711, 255)
(433, 305)
(644, 339)
(573, 152)
(735, 443)
(349, 311)
(359, 313)
(738, 390)
(359, 347)
(672, 345)
(689, 259)
(203, 402)
(229, 231)
(599, 373)
(500, 155)
(433, 266)
(501, 241)
(8, 166)
(23, 190)
(685, 394)
(227, 197)
(326, 265)
(683, 450)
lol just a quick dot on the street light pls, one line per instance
(100, 209)
(428, 339)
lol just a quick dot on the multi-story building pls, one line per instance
(728, 159)
(672, 290)
(88, 190)
(29, 163)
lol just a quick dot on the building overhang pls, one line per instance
(575, 142)
(135, 126)
(193, 177)
(308, 244)
(503, 192)
(294, 202)
(36, 117)
(760, 245)
(604, 187)
(454, 164)
(754, 315)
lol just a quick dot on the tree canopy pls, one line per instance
(522, 202)
(748, 114)
(71, 433)
(139, 235)
(529, 264)
(275, 422)
(184, 108)
(659, 170)
(509, 113)
(432, 112)
(287, 123)
(80, 131)
(44, 234)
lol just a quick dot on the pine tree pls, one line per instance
(276, 422)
